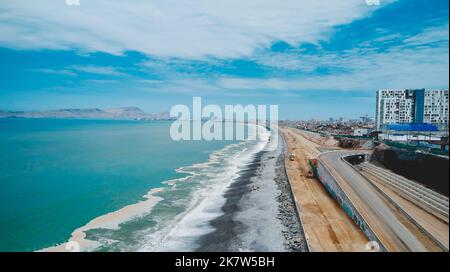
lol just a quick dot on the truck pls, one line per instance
(292, 157)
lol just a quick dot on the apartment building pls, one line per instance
(417, 106)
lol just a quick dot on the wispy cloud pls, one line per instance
(75, 70)
(191, 29)
(98, 70)
(431, 36)
(63, 72)
(398, 68)
(411, 61)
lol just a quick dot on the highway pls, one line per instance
(383, 219)
(422, 205)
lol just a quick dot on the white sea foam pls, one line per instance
(260, 209)
(183, 232)
(78, 241)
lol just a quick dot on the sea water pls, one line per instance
(56, 175)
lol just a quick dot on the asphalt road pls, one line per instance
(370, 203)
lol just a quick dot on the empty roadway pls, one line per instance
(375, 210)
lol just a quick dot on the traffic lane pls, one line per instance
(372, 201)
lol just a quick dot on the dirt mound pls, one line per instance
(348, 143)
(329, 141)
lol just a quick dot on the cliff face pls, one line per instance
(128, 113)
(431, 171)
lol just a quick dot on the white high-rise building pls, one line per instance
(412, 106)
(436, 108)
(394, 107)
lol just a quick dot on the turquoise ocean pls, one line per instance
(56, 175)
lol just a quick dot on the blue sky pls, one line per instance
(314, 58)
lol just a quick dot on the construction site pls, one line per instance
(350, 202)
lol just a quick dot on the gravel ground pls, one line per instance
(294, 236)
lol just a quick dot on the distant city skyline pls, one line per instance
(315, 59)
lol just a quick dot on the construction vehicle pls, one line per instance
(292, 157)
(310, 174)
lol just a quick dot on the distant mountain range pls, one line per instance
(128, 113)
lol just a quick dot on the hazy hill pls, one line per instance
(127, 113)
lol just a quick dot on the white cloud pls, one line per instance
(417, 60)
(74, 70)
(360, 69)
(429, 36)
(98, 70)
(398, 68)
(413, 46)
(191, 29)
(183, 30)
(63, 72)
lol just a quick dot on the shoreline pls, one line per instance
(226, 227)
(112, 220)
(259, 213)
(242, 186)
